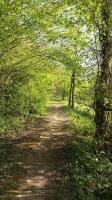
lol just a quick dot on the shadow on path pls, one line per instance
(38, 154)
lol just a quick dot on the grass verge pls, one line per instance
(87, 175)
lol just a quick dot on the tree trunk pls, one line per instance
(103, 74)
(73, 88)
(63, 95)
(71, 94)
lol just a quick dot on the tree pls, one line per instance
(72, 89)
(102, 96)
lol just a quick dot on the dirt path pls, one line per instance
(38, 155)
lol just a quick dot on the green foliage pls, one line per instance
(86, 175)
(24, 82)
(83, 118)
(21, 101)
(59, 87)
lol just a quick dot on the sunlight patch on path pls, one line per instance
(40, 155)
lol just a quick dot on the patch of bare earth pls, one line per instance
(38, 153)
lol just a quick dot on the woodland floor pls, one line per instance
(36, 156)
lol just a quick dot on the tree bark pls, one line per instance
(73, 88)
(71, 94)
(103, 73)
(63, 95)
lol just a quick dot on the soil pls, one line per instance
(38, 154)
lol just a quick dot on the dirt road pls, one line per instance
(38, 155)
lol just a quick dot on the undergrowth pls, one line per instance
(87, 174)
(6, 166)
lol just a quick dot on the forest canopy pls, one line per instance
(39, 37)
